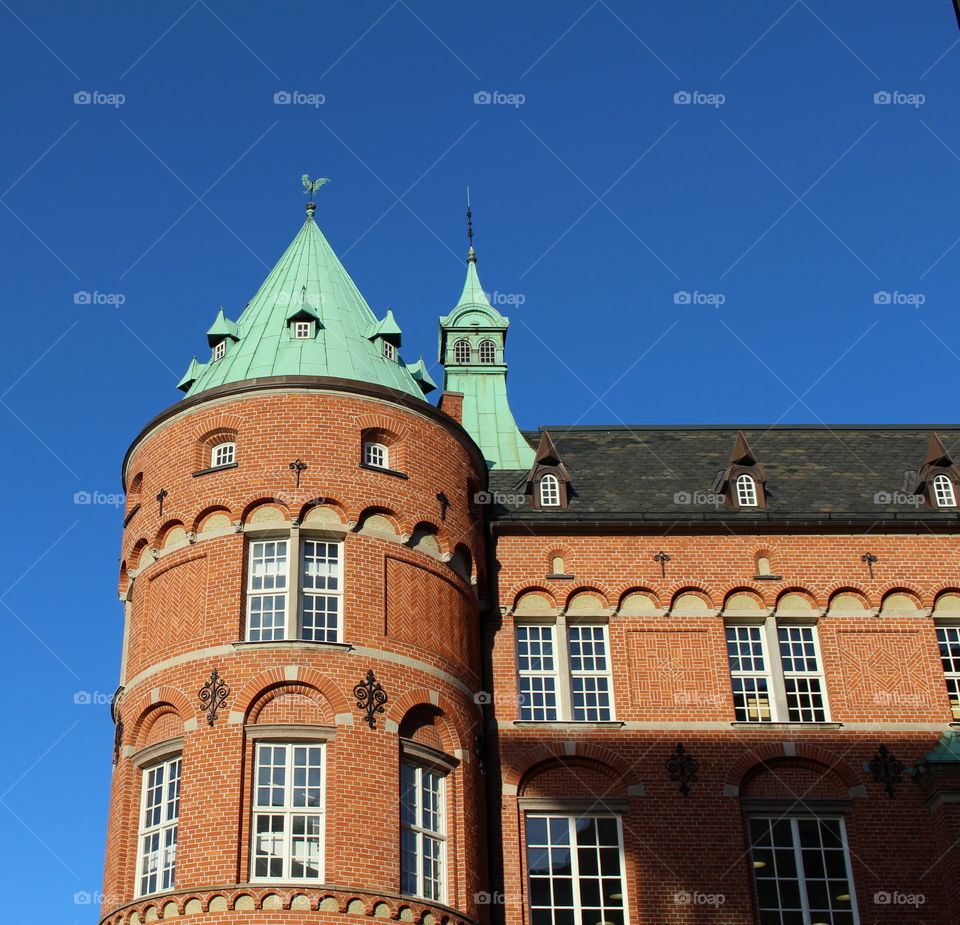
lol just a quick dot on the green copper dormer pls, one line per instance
(306, 319)
(472, 341)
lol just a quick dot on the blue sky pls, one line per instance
(776, 245)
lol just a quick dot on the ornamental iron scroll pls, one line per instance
(213, 695)
(683, 769)
(886, 769)
(370, 698)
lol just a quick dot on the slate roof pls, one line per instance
(659, 474)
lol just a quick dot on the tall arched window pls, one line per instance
(461, 351)
(746, 491)
(943, 492)
(488, 352)
(549, 491)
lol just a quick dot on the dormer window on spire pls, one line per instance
(389, 350)
(746, 491)
(743, 481)
(488, 352)
(461, 351)
(943, 492)
(302, 330)
(937, 479)
(219, 350)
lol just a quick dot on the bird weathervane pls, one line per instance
(311, 186)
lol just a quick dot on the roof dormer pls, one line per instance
(548, 481)
(938, 479)
(742, 482)
(386, 335)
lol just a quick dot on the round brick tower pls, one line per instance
(296, 724)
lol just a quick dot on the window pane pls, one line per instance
(422, 832)
(159, 827)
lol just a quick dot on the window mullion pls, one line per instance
(562, 681)
(294, 577)
(801, 877)
(778, 690)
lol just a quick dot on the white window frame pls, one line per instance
(302, 330)
(765, 866)
(389, 350)
(569, 687)
(462, 351)
(790, 690)
(376, 454)
(157, 866)
(219, 350)
(548, 488)
(948, 638)
(554, 824)
(487, 351)
(311, 608)
(426, 829)
(223, 454)
(268, 584)
(747, 491)
(289, 810)
(943, 492)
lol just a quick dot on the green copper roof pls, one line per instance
(486, 411)
(308, 283)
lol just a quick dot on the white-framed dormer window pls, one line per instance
(775, 673)
(389, 350)
(461, 351)
(159, 821)
(375, 454)
(746, 490)
(220, 349)
(943, 492)
(488, 352)
(288, 809)
(563, 672)
(294, 589)
(422, 832)
(302, 330)
(223, 454)
(549, 487)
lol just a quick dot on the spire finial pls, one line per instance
(471, 254)
(311, 186)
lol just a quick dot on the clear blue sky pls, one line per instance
(794, 200)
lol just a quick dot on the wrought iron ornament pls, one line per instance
(683, 769)
(886, 769)
(298, 465)
(213, 695)
(163, 494)
(117, 739)
(869, 558)
(444, 504)
(663, 559)
(370, 698)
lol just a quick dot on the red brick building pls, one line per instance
(401, 661)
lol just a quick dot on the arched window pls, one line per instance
(549, 491)
(223, 454)
(746, 491)
(375, 454)
(488, 352)
(461, 351)
(943, 492)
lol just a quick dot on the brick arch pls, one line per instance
(262, 498)
(216, 422)
(562, 550)
(124, 583)
(146, 708)
(815, 601)
(853, 587)
(388, 513)
(335, 505)
(677, 587)
(617, 783)
(520, 590)
(944, 587)
(421, 697)
(816, 780)
(430, 527)
(247, 696)
(604, 592)
(762, 754)
(903, 588)
(271, 694)
(136, 552)
(723, 591)
(372, 421)
(171, 523)
(213, 506)
(542, 752)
